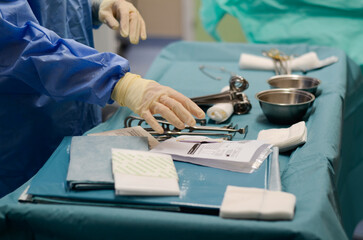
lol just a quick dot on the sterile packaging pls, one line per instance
(141, 173)
(257, 203)
(285, 138)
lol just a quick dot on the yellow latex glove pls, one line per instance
(122, 15)
(147, 97)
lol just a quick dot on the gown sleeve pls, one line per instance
(62, 69)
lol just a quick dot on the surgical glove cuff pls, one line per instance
(95, 10)
(129, 91)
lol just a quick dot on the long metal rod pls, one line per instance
(226, 136)
(228, 129)
(222, 97)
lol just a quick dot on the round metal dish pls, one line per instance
(305, 83)
(284, 105)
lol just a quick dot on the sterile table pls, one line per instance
(324, 174)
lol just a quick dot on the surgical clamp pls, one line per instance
(171, 131)
(234, 95)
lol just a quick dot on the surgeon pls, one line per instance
(52, 82)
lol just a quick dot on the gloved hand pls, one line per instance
(122, 15)
(147, 97)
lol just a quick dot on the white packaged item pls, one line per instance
(238, 156)
(285, 138)
(141, 173)
(257, 203)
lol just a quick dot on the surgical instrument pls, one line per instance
(281, 61)
(234, 95)
(203, 69)
(227, 132)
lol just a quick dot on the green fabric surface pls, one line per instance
(311, 172)
(315, 22)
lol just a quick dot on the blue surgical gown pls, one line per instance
(51, 83)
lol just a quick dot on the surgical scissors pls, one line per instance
(234, 95)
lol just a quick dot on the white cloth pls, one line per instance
(220, 112)
(303, 63)
(139, 173)
(285, 138)
(257, 203)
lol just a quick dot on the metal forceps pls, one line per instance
(234, 95)
(280, 60)
(226, 132)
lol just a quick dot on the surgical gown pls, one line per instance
(51, 83)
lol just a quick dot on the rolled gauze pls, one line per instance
(305, 62)
(220, 112)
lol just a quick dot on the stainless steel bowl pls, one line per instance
(305, 83)
(285, 105)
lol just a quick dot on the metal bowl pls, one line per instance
(285, 105)
(305, 83)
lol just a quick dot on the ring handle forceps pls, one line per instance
(234, 95)
(226, 132)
